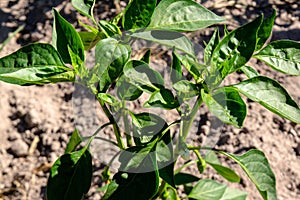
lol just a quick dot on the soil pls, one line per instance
(36, 121)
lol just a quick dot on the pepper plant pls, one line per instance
(148, 150)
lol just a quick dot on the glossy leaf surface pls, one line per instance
(138, 14)
(182, 15)
(256, 166)
(271, 95)
(282, 55)
(85, 7)
(34, 64)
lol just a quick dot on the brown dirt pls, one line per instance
(36, 121)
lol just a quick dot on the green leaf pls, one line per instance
(90, 39)
(138, 14)
(226, 172)
(183, 178)
(111, 56)
(109, 99)
(165, 158)
(265, 30)
(210, 47)
(64, 35)
(35, 64)
(135, 185)
(182, 15)
(146, 126)
(233, 52)
(233, 194)
(256, 166)
(70, 176)
(249, 71)
(111, 188)
(282, 55)
(109, 29)
(186, 89)
(127, 91)
(85, 7)
(74, 141)
(176, 70)
(142, 76)
(167, 38)
(271, 95)
(162, 98)
(226, 104)
(207, 189)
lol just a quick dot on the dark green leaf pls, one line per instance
(90, 39)
(249, 71)
(109, 29)
(146, 57)
(142, 76)
(85, 7)
(226, 104)
(226, 172)
(111, 56)
(256, 166)
(127, 91)
(182, 15)
(210, 47)
(163, 98)
(34, 64)
(282, 55)
(233, 52)
(64, 35)
(165, 158)
(265, 30)
(182, 178)
(167, 38)
(70, 176)
(138, 14)
(146, 126)
(176, 70)
(74, 141)
(135, 185)
(271, 95)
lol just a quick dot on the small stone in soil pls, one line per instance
(18, 148)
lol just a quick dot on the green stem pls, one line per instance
(127, 128)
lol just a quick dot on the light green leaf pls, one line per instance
(85, 7)
(35, 64)
(265, 30)
(109, 99)
(64, 35)
(256, 166)
(138, 14)
(207, 189)
(226, 172)
(233, 52)
(282, 55)
(111, 56)
(226, 104)
(182, 15)
(249, 71)
(186, 89)
(162, 98)
(70, 176)
(90, 39)
(167, 38)
(74, 141)
(233, 194)
(142, 76)
(271, 95)
(210, 47)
